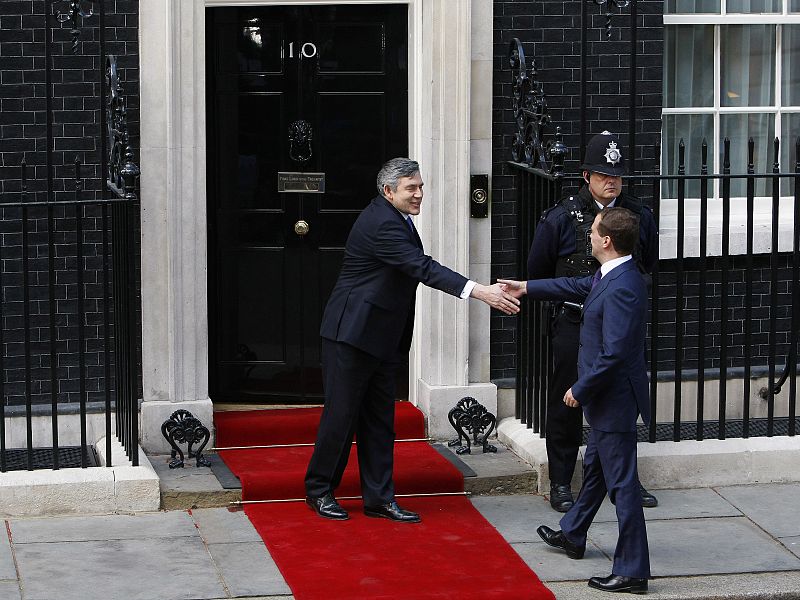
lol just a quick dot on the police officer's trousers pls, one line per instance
(564, 428)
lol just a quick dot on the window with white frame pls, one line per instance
(731, 69)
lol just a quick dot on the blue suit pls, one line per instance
(366, 328)
(612, 390)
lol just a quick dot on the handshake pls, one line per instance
(503, 295)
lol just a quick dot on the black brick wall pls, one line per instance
(551, 33)
(75, 104)
(76, 121)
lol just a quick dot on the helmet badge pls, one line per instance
(613, 155)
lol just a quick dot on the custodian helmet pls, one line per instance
(604, 155)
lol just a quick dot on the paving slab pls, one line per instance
(189, 478)
(761, 586)
(768, 505)
(7, 568)
(792, 544)
(551, 564)
(248, 569)
(167, 569)
(492, 473)
(517, 517)
(704, 547)
(103, 527)
(224, 526)
(9, 590)
(678, 504)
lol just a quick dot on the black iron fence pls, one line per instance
(720, 317)
(68, 327)
(69, 255)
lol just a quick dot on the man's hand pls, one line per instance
(496, 297)
(570, 400)
(514, 288)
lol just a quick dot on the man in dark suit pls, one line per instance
(560, 249)
(613, 391)
(366, 329)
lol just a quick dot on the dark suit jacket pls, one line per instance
(371, 306)
(612, 376)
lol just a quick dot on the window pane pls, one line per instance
(754, 6)
(794, 6)
(689, 65)
(692, 6)
(790, 69)
(739, 128)
(790, 126)
(747, 62)
(691, 129)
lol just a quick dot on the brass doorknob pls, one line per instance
(301, 228)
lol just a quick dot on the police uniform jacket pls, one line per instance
(555, 236)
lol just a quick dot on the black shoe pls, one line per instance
(648, 500)
(326, 506)
(619, 583)
(556, 539)
(392, 511)
(561, 497)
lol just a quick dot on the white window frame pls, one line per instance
(763, 206)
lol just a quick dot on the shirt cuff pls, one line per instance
(467, 289)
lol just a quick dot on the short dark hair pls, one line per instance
(622, 226)
(393, 170)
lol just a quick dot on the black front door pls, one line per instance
(299, 98)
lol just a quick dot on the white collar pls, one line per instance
(613, 263)
(609, 205)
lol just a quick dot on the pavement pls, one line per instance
(735, 542)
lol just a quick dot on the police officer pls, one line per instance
(561, 248)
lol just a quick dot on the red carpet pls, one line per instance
(453, 553)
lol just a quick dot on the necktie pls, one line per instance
(410, 223)
(596, 278)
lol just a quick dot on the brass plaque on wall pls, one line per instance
(301, 183)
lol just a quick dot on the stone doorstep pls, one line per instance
(120, 488)
(677, 465)
(497, 473)
(520, 465)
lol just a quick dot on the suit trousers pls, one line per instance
(359, 399)
(564, 428)
(609, 466)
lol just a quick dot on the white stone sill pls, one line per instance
(762, 227)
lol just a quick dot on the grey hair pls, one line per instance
(393, 170)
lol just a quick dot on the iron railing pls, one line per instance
(711, 301)
(68, 276)
(68, 273)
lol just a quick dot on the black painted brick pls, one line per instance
(75, 102)
(554, 40)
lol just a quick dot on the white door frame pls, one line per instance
(173, 201)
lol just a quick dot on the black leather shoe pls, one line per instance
(561, 497)
(392, 511)
(556, 539)
(326, 506)
(648, 500)
(619, 583)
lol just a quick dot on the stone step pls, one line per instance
(491, 473)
